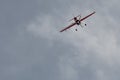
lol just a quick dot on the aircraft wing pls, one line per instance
(68, 27)
(87, 16)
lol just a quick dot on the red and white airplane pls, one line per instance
(77, 21)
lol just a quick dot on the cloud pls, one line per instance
(95, 47)
(38, 51)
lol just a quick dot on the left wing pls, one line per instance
(68, 27)
(87, 16)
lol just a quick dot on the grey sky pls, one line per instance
(31, 47)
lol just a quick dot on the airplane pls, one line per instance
(77, 21)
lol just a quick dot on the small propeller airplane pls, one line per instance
(77, 21)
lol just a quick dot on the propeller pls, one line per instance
(75, 17)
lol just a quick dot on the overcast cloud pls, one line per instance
(32, 48)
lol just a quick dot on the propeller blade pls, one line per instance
(71, 19)
(74, 17)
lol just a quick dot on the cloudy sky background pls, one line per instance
(31, 47)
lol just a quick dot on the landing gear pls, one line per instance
(75, 29)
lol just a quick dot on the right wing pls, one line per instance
(68, 27)
(87, 16)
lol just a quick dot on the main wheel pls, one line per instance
(75, 29)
